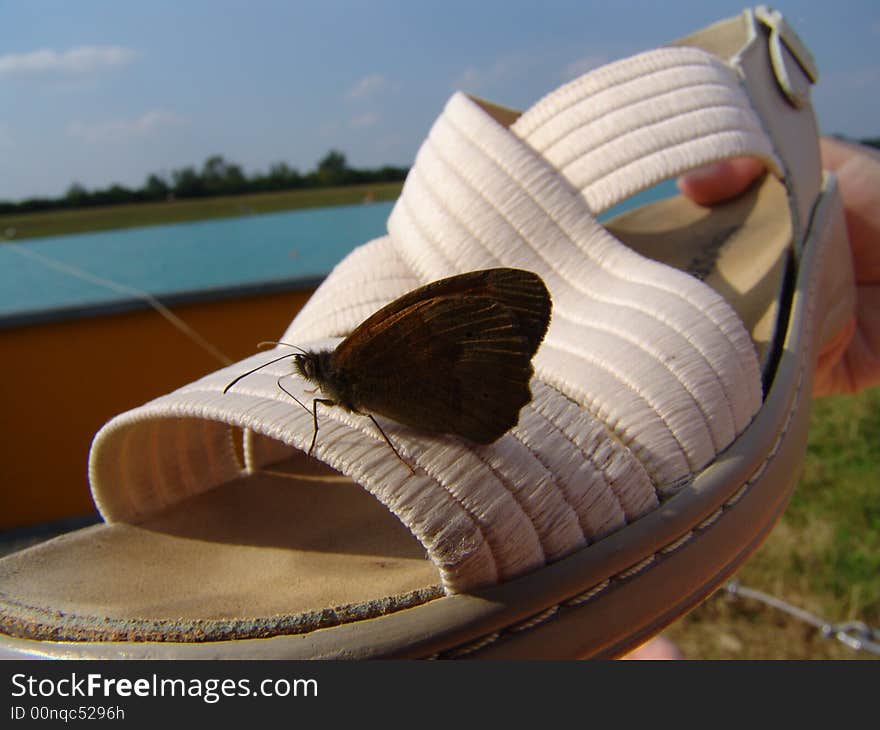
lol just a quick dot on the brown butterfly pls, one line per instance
(452, 357)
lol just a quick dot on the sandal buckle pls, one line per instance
(793, 64)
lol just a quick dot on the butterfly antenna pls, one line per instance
(267, 343)
(250, 372)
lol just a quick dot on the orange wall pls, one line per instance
(62, 381)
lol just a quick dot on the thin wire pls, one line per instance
(854, 634)
(156, 305)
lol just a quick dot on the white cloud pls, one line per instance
(582, 65)
(77, 61)
(364, 120)
(502, 71)
(368, 86)
(476, 79)
(121, 129)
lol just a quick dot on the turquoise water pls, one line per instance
(230, 253)
(46, 278)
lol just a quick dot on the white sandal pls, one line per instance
(649, 464)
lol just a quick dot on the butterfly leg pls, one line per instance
(325, 401)
(388, 441)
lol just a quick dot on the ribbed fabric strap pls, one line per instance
(645, 374)
(636, 122)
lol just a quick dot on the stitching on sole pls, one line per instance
(629, 573)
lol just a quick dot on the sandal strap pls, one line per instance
(478, 196)
(777, 71)
(630, 125)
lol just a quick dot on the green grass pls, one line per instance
(823, 556)
(841, 490)
(82, 220)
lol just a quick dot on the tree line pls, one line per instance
(217, 176)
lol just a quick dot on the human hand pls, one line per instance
(854, 364)
(658, 648)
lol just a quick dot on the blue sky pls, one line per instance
(102, 91)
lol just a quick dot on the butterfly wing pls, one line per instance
(522, 291)
(453, 358)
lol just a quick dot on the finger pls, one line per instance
(657, 648)
(857, 169)
(721, 180)
(836, 152)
